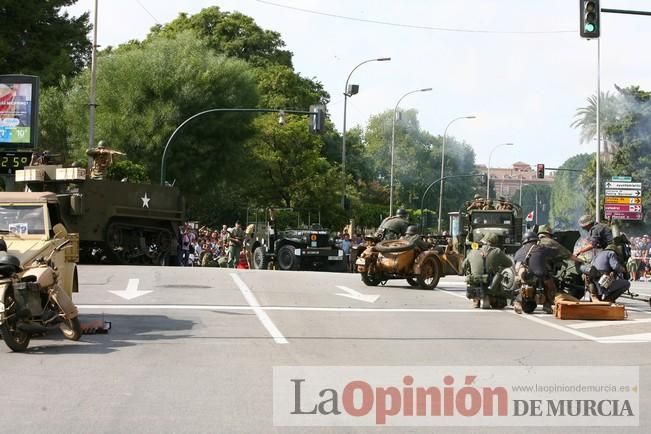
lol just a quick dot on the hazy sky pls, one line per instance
(524, 87)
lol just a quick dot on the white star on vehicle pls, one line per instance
(145, 201)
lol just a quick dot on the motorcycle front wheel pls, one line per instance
(71, 329)
(15, 339)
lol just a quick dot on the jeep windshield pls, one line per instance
(492, 219)
(22, 219)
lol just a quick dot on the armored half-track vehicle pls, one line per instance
(117, 222)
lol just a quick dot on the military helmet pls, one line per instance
(401, 212)
(501, 199)
(545, 229)
(489, 238)
(585, 220)
(477, 196)
(412, 230)
(9, 264)
(529, 237)
(101, 144)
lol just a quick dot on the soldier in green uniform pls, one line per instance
(488, 205)
(392, 228)
(504, 204)
(235, 240)
(477, 203)
(482, 267)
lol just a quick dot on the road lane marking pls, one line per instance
(259, 312)
(626, 339)
(275, 308)
(454, 293)
(591, 324)
(131, 290)
(556, 326)
(355, 295)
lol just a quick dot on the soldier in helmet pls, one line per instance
(393, 227)
(545, 234)
(414, 238)
(481, 268)
(532, 265)
(102, 159)
(612, 281)
(599, 234)
(504, 204)
(477, 203)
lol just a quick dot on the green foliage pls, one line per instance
(37, 39)
(569, 195)
(231, 34)
(133, 172)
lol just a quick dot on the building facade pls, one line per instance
(507, 182)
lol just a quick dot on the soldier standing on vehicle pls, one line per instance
(102, 159)
(393, 227)
(532, 263)
(488, 205)
(481, 266)
(599, 234)
(504, 204)
(477, 203)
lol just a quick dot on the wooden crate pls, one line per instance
(598, 310)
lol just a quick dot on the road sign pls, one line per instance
(623, 215)
(623, 200)
(622, 178)
(626, 185)
(626, 208)
(627, 193)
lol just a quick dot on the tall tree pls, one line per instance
(586, 119)
(38, 39)
(569, 196)
(232, 34)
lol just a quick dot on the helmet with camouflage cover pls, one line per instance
(490, 239)
(586, 220)
(545, 229)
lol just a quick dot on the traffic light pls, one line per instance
(589, 14)
(317, 119)
(540, 170)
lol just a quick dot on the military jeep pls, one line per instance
(28, 222)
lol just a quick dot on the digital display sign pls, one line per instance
(12, 161)
(18, 110)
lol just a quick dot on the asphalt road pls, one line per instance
(196, 352)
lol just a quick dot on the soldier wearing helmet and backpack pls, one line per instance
(482, 266)
(533, 267)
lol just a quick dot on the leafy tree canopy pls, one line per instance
(37, 39)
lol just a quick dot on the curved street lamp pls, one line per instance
(488, 174)
(348, 93)
(393, 142)
(445, 134)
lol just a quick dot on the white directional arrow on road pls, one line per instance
(131, 291)
(351, 293)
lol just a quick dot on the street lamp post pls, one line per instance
(393, 142)
(348, 93)
(488, 174)
(445, 134)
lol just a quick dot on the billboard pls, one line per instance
(18, 111)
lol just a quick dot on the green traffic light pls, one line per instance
(590, 27)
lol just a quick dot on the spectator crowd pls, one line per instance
(639, 264)
(228, 247)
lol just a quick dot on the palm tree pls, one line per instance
(586, 119)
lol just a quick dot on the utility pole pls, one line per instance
(92, 103)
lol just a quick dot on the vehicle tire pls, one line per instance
(15, 339)
(413, 282)
(286, 258)
(71, 329)
(429, 273)
(528, 306)
(260, 258)
(391, 246)
(508, 279)
(370, 279)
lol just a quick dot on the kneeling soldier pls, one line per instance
(482, 267)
